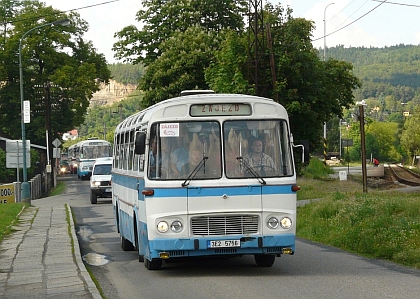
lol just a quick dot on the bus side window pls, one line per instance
(140, 143)
(131, 150)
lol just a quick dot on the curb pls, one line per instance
(78, 259)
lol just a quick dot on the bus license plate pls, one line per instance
(108, 190)
(224, 243)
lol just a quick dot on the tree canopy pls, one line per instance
(61, 70)
(313, 91)
(162, 19)
(200, 44)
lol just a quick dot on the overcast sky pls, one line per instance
(348, 22)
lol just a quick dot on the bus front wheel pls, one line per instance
(264, 260)
(154, 264)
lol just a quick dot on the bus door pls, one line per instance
(232, 199)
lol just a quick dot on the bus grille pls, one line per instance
(224, 225)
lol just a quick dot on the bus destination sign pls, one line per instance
(220, 109)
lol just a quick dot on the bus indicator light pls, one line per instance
(148, 192)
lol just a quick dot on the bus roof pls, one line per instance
(196, 98)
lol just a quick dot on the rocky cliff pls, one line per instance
(111, 93)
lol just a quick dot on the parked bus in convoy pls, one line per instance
(84, 153)
(205, 175)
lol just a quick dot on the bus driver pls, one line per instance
(259, 161)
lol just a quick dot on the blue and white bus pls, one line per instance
(84, 153)
(205, 175)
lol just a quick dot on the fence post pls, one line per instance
(17, 191)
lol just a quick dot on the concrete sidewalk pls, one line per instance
(42, 259)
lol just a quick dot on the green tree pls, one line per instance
(312, 91)
(7, 175)
(382, 141)
(54, 56)
(180, 67)
(227, 71)
(161, 19)
(410, 137)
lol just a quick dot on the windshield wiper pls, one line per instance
(195, 171)
(251, 170)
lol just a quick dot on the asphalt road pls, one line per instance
(314, 271)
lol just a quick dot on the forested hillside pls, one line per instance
(126, 73)
(390, 75)
(390, 71)
(391, 89)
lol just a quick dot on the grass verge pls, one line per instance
(8, 216)
(384, 225)
(59, 189)
(311, 188)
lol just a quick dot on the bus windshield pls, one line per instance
(257, 148)
(191, 150)
(251, 149)
(95, 151)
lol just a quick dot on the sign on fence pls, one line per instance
(7, 193)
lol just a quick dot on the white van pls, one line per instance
(100, 181)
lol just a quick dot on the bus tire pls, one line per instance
(117, 218)
(264, 260)
(93, 198)
(141, 258)
(154, 264)
(126, 245)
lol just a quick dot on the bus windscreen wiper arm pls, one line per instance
(194, 172)
(251, 170)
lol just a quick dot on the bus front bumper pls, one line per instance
(170, 248)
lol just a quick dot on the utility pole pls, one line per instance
(362, 142)
(256, 44)
(325, 51)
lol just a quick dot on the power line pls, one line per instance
(395, 3)
(381, 2)
(60, 12)
(93, 5)
(352, 13)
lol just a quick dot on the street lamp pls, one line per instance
(25, 188)
(325, 30)
(325, 124)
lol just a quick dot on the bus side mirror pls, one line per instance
(140, 143)
(306, 156)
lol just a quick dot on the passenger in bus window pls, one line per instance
(180, 155)
(197, 154)
(214, 160)
(258, 160)
(268, 145)
(153, 158)
(165, 158)
(235, 147)
(159, 159)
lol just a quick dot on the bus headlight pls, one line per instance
(273, 223)
(286, 222)
(176, 226)
(162, 227)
